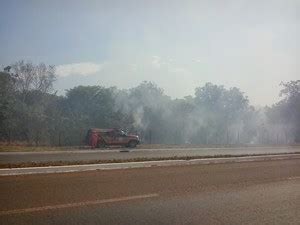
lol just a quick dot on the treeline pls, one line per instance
(32, 112)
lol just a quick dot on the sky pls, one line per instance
(179, 45)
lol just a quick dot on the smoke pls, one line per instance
(214, 115)
(138, 116)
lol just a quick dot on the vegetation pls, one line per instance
(32, 112)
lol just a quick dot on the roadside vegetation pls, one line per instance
(32, 113)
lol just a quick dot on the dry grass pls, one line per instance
(25, 148)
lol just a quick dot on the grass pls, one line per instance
(64, 163)
(25, 148)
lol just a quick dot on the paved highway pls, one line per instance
(239, 193)
(87, 155)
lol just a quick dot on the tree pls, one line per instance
(8, 121)
(286, 113)
(89, 106)
(26, 88)
(150, 108)
(31, 111)
(30, 77)
(219, 111)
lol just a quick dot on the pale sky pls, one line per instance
(179, 45)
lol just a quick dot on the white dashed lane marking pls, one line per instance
(78, 204)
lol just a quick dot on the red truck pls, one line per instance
(113, 136)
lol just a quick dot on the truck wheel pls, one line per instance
(132, 144)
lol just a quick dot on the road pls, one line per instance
(235, 193)
(87, 155)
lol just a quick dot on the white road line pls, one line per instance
(294, 178)
(78, 204)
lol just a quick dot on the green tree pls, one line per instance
(286, 113)
(8, 107)
(89, 106)
(218, 110)
(26, 88)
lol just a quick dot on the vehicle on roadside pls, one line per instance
(112, 137)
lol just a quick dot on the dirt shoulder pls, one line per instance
(24, 148)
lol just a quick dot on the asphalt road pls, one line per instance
(87, 155)
(239, 193)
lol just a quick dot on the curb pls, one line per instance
(130, 165)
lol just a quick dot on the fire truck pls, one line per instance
(113, 137)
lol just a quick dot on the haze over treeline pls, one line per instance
(31, 111)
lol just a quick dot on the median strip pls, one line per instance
(142, 164)
(139, 159)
